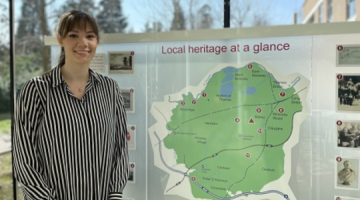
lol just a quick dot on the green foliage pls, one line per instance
(26, 67)
(4, 79)
(110, 17)
(5, 126)
(6, 189)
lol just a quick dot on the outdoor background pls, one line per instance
(36, 18)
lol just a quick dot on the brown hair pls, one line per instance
(68, 21)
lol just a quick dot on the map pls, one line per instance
(231, 136)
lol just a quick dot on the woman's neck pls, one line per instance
(75, 73)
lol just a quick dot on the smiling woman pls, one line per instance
(78, 122)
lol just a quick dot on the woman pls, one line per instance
(70, 124)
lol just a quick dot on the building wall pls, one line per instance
(311, 7)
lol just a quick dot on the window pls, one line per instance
(320, 13)
(329, 10)
(6, 181)
(311, 20)
(350, 8)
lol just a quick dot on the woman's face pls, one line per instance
(79, 45)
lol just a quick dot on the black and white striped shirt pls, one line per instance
(65, 148)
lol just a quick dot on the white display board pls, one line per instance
(250, 118)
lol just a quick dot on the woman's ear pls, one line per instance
(59, 39)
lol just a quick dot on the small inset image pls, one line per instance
(121, 62)
(347, 173)
(348, 96)
(345, 198)
(131, 178)
(129, 99)
(348, 55)
(131, 137)
(348, 134)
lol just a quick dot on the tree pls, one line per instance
(32, 26)
(110, 17)
(249, 13)
(156, 27)
(204, 18)
(4, 23)
(178, 14)
(178, 22)
(83, 5)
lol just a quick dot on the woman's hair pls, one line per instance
(68, 21)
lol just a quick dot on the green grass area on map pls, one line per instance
(209, 140)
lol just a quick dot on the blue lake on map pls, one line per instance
(227, 89)
(227, 78)
(250, 90)
(229, 70)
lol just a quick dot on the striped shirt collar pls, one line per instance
(57, 78)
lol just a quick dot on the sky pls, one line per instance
(139, 12)
(281, 12)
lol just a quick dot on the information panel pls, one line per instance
(245, 119)
(228, 129)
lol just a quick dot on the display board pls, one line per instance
(240, 118)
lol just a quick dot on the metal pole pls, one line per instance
(12, 83)
(226, 13)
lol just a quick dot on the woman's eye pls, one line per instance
(91, 36)
(72, 36)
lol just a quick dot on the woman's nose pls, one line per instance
(82, 42)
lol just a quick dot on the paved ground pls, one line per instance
(5, 142)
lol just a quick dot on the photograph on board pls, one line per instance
(131, 178)
(346, 173)
(128, 96)
(121, 62)
(348, 134)
(348, 98)
(348, 55)
(131, 137)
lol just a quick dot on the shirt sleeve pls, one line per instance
(120, 172)
(27, 165)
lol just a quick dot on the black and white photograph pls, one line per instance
(348, 134)
(348, 98)
(131, 178)
(121, 62)
(347, 173)
(129, 98)
(131, 137)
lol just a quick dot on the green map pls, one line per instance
(230, 137)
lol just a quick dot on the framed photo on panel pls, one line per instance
(348, 134)
(348, 95)
(346, 173)
(348, 55)
(131, 137)
(129, 99)
(121, 62)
